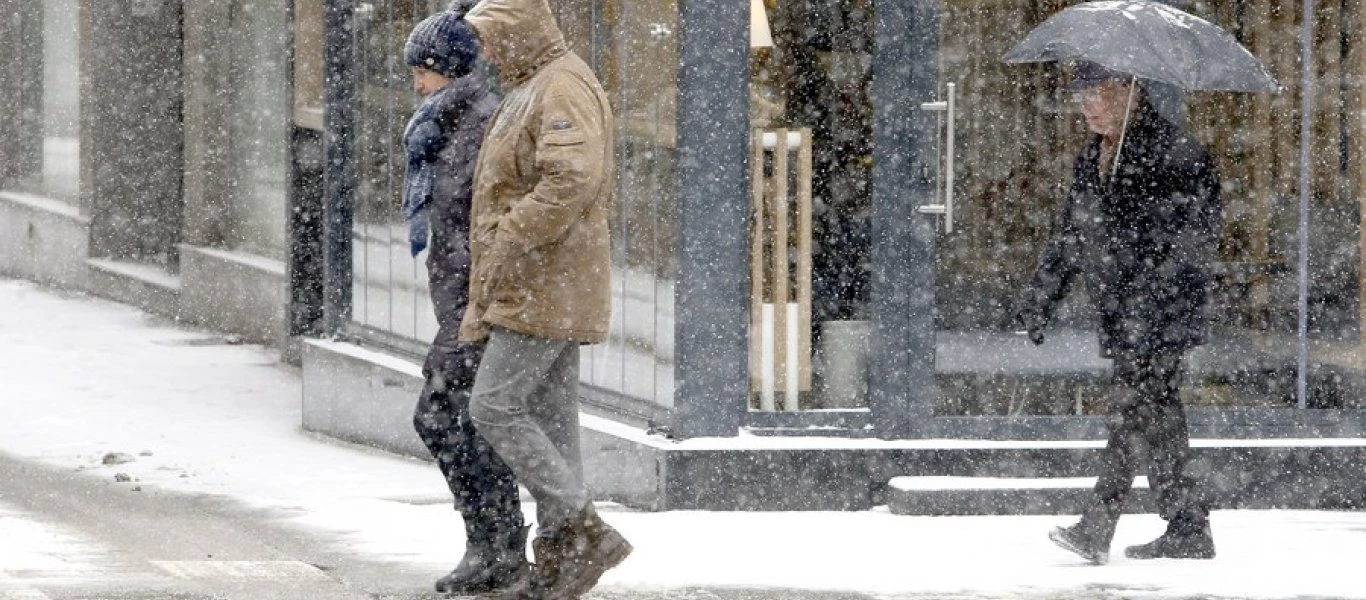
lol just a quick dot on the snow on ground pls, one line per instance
(41, 551)
(81, 378)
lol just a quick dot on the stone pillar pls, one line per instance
(901, 385)
(712, 295)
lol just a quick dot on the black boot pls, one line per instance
(495, 558)
(1187, 536)
(1077, 540)
(1090, 537)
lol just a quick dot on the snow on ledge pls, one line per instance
(948, 483)
(381, 359)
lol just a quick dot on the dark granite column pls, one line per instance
(712, 294)
(901, 387)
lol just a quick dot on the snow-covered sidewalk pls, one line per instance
(81, 378)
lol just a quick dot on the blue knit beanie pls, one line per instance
(443, 43)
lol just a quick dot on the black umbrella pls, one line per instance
(1150, 41)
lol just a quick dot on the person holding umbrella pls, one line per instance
(1139, 227)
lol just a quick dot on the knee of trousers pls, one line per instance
(493, 410)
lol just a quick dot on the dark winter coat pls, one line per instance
(1144, 242)
(464, 108)
(541, 246)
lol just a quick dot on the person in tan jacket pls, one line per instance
(540, 277)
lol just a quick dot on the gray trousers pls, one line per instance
(525, 402)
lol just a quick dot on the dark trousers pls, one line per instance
(485, 489)
(1145, 413)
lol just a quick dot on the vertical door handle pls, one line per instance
(949, 108)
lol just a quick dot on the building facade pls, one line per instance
(824, 211)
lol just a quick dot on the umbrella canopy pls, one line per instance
(1149, 40)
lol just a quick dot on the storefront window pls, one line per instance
(633, 49)
(810, 243)
(390, 292)
(1018, 131)
(60, 174)
(259, 118)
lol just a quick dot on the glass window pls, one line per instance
(632, 48)
(1018, 133)
(390, 292)
(60, 173)
(258, 118)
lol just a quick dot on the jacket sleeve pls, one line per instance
(1054, 273)
(570, 140)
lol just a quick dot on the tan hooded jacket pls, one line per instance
(540, 249)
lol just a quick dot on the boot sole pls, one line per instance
(495, 585)
(1177, 555)
(1094, 558)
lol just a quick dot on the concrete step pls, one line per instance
(946, 495)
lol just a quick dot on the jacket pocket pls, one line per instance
(563, 137)
(563, 151)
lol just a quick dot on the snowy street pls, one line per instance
(141, 460)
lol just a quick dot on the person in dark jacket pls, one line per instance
(1140, 227)
(442, 144)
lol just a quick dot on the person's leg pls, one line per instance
(1168, 439)
(484, 488)
(1179, 500)
(526, 403)
(558, 412)
(1091, 536)
(512, 379)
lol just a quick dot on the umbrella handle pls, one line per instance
(1128, 108)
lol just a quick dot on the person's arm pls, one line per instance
(1052, 276)
(571, 167)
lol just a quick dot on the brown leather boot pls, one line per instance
(570, 561)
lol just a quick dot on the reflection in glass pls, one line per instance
(634, 53)
(258, 121)
(390, 292)
(61, 99)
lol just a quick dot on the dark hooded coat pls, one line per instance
(1144, 242)
(464, 109)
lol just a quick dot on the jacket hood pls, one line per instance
(521, 36)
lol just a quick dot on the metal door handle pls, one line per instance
(948, 107)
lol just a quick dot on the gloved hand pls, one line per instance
(1032, 326)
